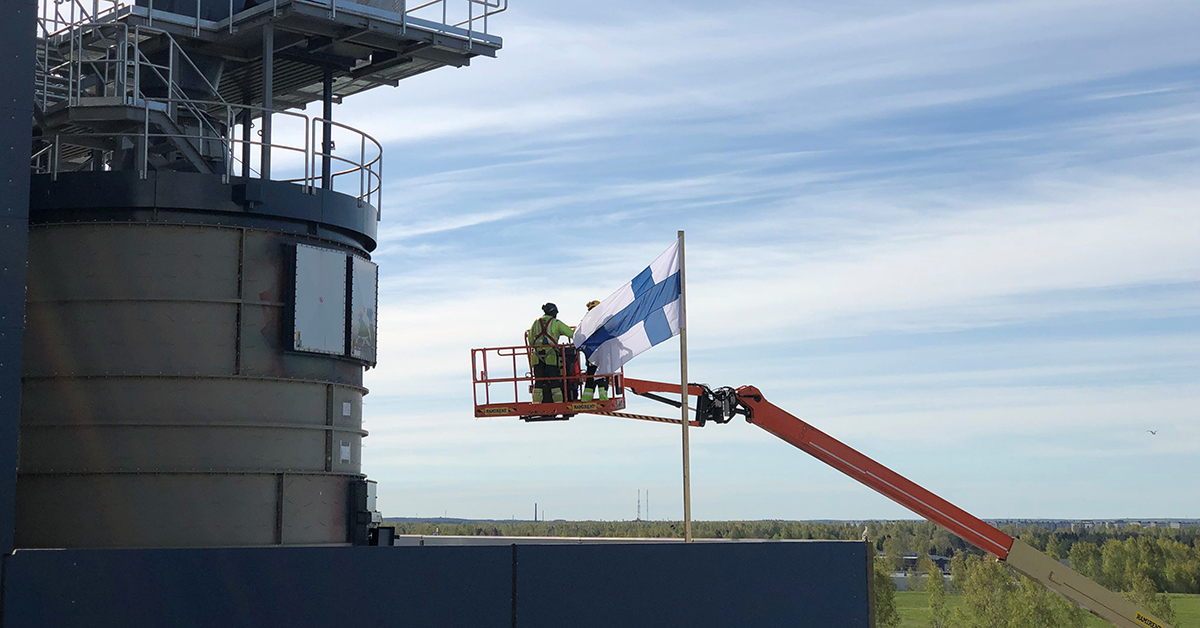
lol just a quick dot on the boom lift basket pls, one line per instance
(503, 384)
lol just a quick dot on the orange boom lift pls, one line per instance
(512, 385)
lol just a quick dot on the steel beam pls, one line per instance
(326, 138)
(268, 97)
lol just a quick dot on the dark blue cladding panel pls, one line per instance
(661, 585)
(704, 584)
(261, 587)
(17, 28)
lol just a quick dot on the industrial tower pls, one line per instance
(201, 302)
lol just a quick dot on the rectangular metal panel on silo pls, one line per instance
(364, 305)
(320, 304)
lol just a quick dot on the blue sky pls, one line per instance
(962, 237)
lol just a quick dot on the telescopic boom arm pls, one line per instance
(722, 404)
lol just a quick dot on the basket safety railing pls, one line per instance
(504, 375)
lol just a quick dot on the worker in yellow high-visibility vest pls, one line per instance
(546, 360)
(593, 382)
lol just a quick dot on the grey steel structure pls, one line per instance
(167, 397)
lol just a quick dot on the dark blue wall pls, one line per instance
(17, 24)
(818, 583)
(703, 584)
(261, 588)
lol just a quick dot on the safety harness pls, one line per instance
(542, 337)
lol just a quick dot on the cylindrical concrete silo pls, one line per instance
(164, 403)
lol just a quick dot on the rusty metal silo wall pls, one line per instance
(162, 406)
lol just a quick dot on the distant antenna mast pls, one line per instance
(639, 517)
(535, 512)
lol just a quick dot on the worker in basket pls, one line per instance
(593, 382)
(546, 359)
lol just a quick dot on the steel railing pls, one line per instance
(469, 15)
(221, 130)
(69, 23)
(453, 16)
(54, 17)
(503, 375)
(369, 166)
(89, 52)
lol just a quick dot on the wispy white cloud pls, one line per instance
(1139, 92)
(668, 62)
(859, 185)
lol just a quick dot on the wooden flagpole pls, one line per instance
(683, 378)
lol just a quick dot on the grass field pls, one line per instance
(915, 614)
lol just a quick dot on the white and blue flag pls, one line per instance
(641, 314)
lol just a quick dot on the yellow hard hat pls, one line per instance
(592, 304)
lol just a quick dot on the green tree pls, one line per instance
(944, 543)
(1058, 547)
(1118, 559)
(918, 578)
(958, 571)
(1182, 570)
(886, 615)
(993, 597)
(988, 594)
(1144, 595)
(1086, 559)
(1035, 606)
(935, 593)
(893, 553)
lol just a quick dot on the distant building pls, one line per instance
(911, 559)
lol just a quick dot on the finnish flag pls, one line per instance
(641, 314)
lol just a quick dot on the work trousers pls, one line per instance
(547, 385)
(593, 382)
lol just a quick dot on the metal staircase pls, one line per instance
(112, 96)
(52, 82)
(164, 85)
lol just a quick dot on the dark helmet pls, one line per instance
(550, 309)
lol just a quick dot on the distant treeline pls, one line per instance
(636, 529)
(1169, 558)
